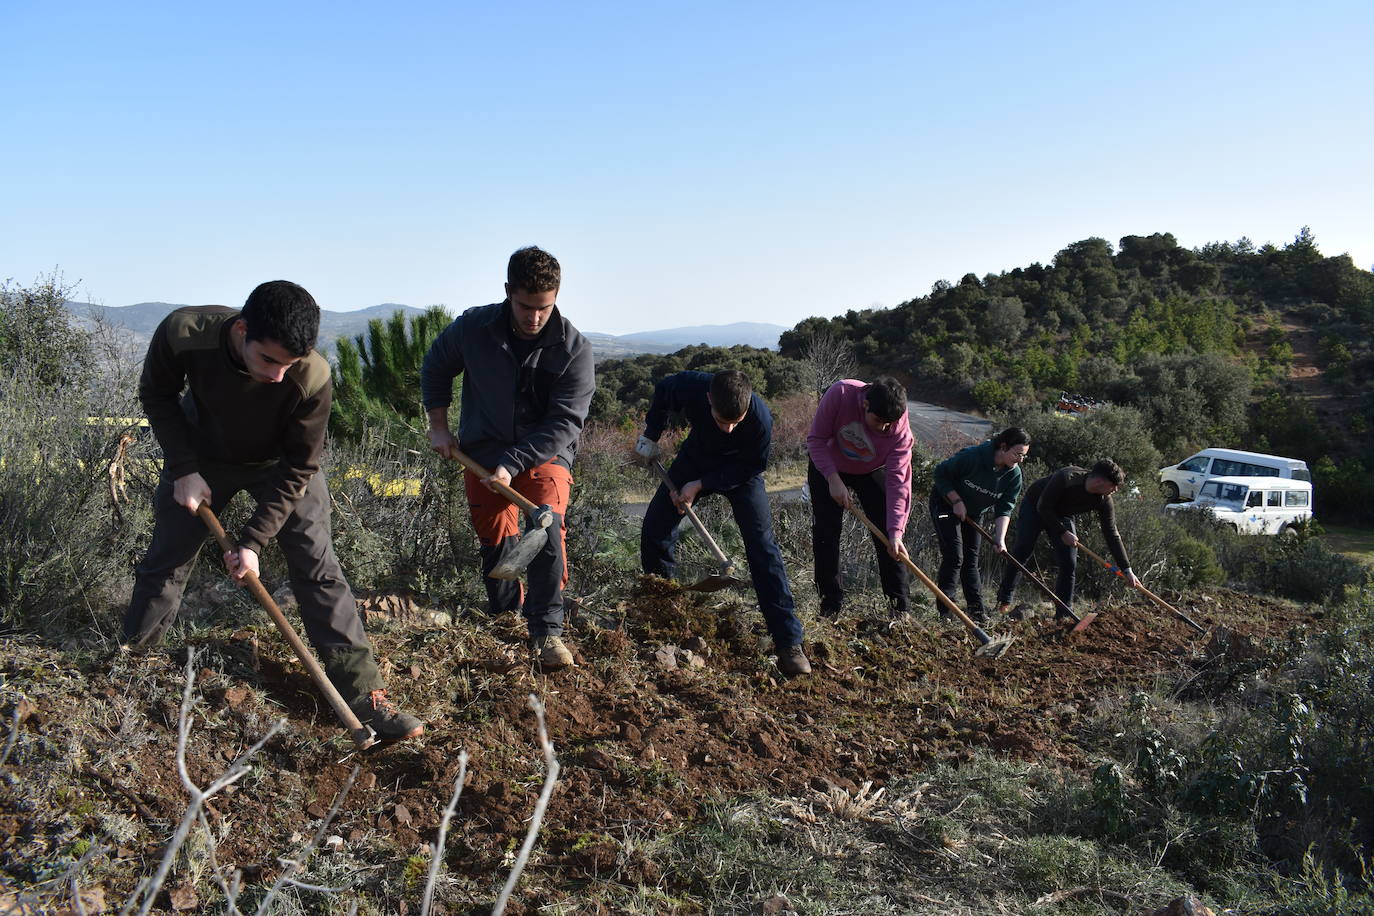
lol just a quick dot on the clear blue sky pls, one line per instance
(687, 163)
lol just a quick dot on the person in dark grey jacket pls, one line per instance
(527, 386)
(1049, 506)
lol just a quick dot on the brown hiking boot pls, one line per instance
(389, 723)
(1004, 609)
(550, 652)
(792, 661)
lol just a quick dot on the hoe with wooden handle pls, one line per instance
(1079, 623)
(724, 576)
(992, 648)
(362, 735)
(1158, 600)
(537, 522)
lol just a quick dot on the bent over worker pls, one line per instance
(1049, 506)
(239, 400)
(860, 438)
(968, 484)
(527, 386)
(726, 452)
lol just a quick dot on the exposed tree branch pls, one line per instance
(437, 850)
(550, 779)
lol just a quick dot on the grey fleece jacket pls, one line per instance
(519, 415)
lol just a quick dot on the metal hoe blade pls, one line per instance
(993, 648)
(713, 583)
(513, 566)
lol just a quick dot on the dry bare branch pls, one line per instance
(437, 850)
(294, 866)
(550, 779)
(237, 770)
(230, 889)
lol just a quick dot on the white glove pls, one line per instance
(647, 450)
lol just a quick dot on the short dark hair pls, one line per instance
(534, 270)
(1109, 470)
(731, 392)
(886, 398)
(1012, 435)
(284, 312)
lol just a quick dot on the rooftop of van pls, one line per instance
(1237, 453)
(1264, 483)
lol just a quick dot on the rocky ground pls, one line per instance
(673, 704)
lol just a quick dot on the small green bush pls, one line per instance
(1196, 562)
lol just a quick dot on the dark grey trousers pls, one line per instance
(327, 606)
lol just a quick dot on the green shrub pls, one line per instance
(1118, 433)
(1196, 562)
(71, 531)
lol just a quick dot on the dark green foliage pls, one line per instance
(1118, 433)
(624, 387)
(991, 395)
(1282, 424)
(377, 375)
(37, 338)
(1343, 491)
(1279, 773)
(1298, 567)
(1196, 562)
(1152, 325)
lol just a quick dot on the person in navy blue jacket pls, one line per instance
(726, 452)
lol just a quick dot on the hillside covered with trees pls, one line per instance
(1201, 342)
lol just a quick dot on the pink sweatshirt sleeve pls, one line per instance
(822, 430)
(898, 477)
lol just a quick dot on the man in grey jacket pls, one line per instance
(528, 384)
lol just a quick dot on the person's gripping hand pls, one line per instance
(190, 491)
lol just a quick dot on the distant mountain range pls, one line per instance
(142, 319)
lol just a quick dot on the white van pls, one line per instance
(1182, 480)
(1254, 505)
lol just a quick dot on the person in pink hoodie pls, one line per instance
(860, 438)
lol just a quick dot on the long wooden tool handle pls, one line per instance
(361, 734)
(929, 583)
(691, 514)
(528, 507)
(1059, 602)
(1141, 585)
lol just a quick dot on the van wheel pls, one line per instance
(1171, 491)
(1287, 532)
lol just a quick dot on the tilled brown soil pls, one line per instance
(643, 746)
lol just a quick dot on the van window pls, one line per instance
(1194, 465)
(1225, 467)
(1275, 497)
(1255, 500)
(1296, 498)
(1302, 474)
(1259, 470)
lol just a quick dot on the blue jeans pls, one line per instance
(749, 502)
(1028, 528)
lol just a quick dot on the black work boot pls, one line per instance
(376, 710)
(792, 661)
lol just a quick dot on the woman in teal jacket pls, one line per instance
(968, 484)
